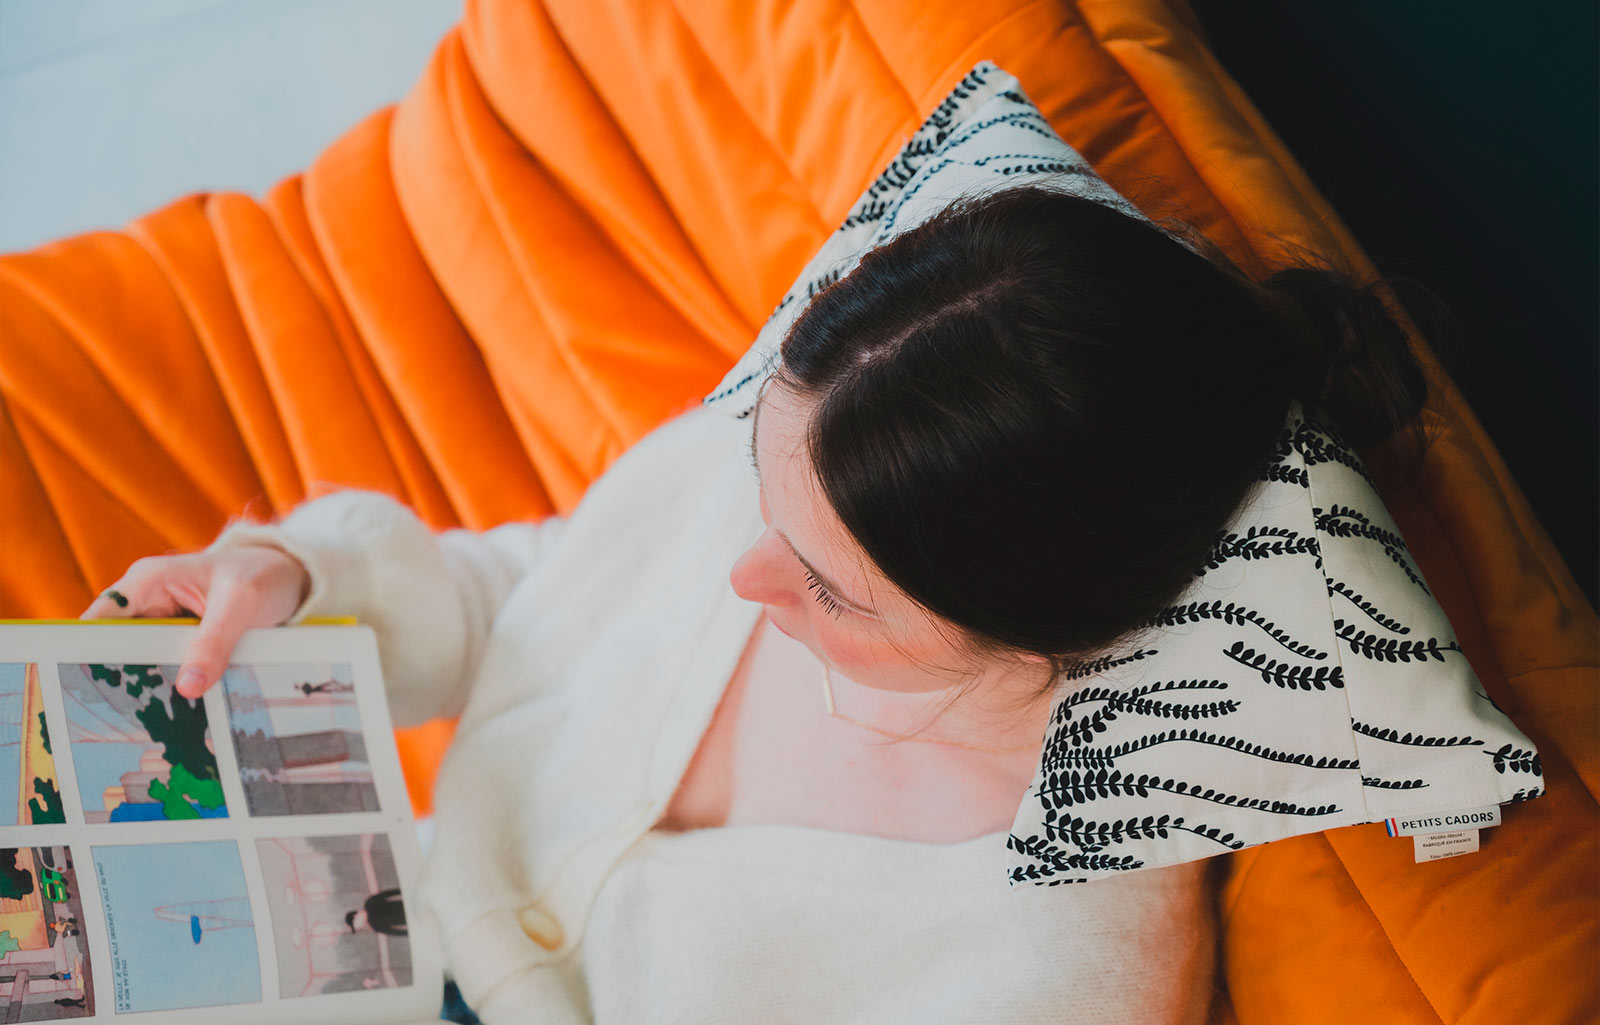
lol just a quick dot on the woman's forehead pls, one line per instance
(800, 508)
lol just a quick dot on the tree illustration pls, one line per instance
(182, 733)
(207, 793)
(133, 679)
(50, 811)
(15, 882)
(44, 734)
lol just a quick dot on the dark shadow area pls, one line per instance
(1459, 144)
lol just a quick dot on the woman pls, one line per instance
(998, 446)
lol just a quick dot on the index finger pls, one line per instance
(229, 612)
(109, 604)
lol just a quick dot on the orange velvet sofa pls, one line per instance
(573, 225)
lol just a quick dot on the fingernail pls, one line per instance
(191, 682)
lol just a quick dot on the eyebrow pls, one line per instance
(824, 581)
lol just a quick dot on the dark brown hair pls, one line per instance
(1036, 413)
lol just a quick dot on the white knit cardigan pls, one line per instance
(585, 656)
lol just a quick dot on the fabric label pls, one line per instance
(1433, 846)
(1445, 822)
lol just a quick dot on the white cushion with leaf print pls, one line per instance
(1307, 680)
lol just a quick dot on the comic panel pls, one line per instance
(141, 750)
(179, 925)
(29, 787)
(44, 958)
(337, 918)
(298, 736)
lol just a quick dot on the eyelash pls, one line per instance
(824, 598)
(827, 600)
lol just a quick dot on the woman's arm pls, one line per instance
(430, 597)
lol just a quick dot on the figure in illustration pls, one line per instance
(382, 912)
(338, 913)
(142, 751)
(325, 687)
(298, 736)
(44, 963)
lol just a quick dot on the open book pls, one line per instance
(249, 856)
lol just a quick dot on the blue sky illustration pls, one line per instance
(166, 968)
(12, 675)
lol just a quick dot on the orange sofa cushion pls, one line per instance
(571, 227)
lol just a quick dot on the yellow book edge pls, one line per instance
(308, 621)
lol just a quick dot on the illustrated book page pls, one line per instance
(249, 856)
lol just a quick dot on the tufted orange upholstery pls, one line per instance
(573, 225)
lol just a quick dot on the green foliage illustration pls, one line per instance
(133, 679)
(15, 883)
(182, 733)
(184, 787)
(50, 811)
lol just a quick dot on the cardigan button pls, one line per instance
(540, 927)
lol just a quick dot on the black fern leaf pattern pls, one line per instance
(1281, 674)
(818, 284)
(1258, 542)
(1104, 862)
(1034, 847)
(1055, 757)
(1088, 694)
(1284, 473)
(1392, 784)
(1083, 757)
(1391, 649)
(1236, 614)
(1094, 836)
(924, 143)
(1167, 710)
(1372, 611)
(1046, 167)
(1416, 739)
(1041, 876)
(1081, 861)
(1028, 119)
(1319, 442)
(1039, 158)
(1081, 731)
(1526, 795)
(1094, 667)
(1064, 789)
(1336, 523)
(1097, 666)
(1513, 759)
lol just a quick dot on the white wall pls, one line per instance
(109, 108)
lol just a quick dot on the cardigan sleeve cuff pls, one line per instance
(431, 598)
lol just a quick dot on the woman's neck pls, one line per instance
(1002, 712)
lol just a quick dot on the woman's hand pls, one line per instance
(231, 590)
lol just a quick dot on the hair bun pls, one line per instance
(1350, 357)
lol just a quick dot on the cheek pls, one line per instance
(908, 665)
(850, 648)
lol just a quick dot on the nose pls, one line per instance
(761, 574)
